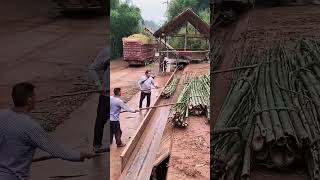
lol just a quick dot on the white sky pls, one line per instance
(152, 9)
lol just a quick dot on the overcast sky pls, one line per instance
(152, 9)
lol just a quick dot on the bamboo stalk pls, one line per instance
(68, 94)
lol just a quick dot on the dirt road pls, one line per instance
(53, 52)
(190, 149)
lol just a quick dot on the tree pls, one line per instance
(125, 20)
(177, 6)
(114, 4)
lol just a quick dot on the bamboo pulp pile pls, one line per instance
(193, 99)
(271, 115)
(170, 89)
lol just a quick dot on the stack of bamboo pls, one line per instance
(180, 112)
(193, 99)
(170, 89)
(271, 115)
(199, 95)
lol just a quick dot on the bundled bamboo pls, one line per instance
(199, 95)
(170, 89)
(271, 114)
(193, 99)
(179, 113)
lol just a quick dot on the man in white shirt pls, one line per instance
(146, 83)
(116, 104)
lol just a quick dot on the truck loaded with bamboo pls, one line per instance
(270, 116)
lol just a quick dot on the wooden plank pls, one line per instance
(165, 146)
(162, 157)
(127, 152)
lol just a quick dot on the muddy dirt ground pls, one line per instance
(261, 28)
(190, 151)
(52, 51)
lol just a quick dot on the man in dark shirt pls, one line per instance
(20, 135)
(101, 63)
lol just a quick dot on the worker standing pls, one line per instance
(116, 104)
(101, 63)
(146, 83)
(20, 135)
(165, 62)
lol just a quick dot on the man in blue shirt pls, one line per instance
(116, 104)
(21, 135)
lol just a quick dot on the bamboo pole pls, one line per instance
(163, 105)
(48, 157)
(68, 94)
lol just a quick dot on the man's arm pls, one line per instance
(140, 83)
(126, 108)
(153, 83)
(97, 65)
(41, 139)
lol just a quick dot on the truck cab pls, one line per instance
(182, 61)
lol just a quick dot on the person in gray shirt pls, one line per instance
(101, 63)
(116, 104)
(21, 135)
(146, 83)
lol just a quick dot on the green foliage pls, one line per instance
(125, 20)
(202, 8)
(114, 4)
(177, 6)
(205, 15)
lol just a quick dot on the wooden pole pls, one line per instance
(233, 69)
(161, 58)
(166, 47)
(162, 105)
(185, 37)
(48, 157)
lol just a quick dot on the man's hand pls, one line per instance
(86, 155)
